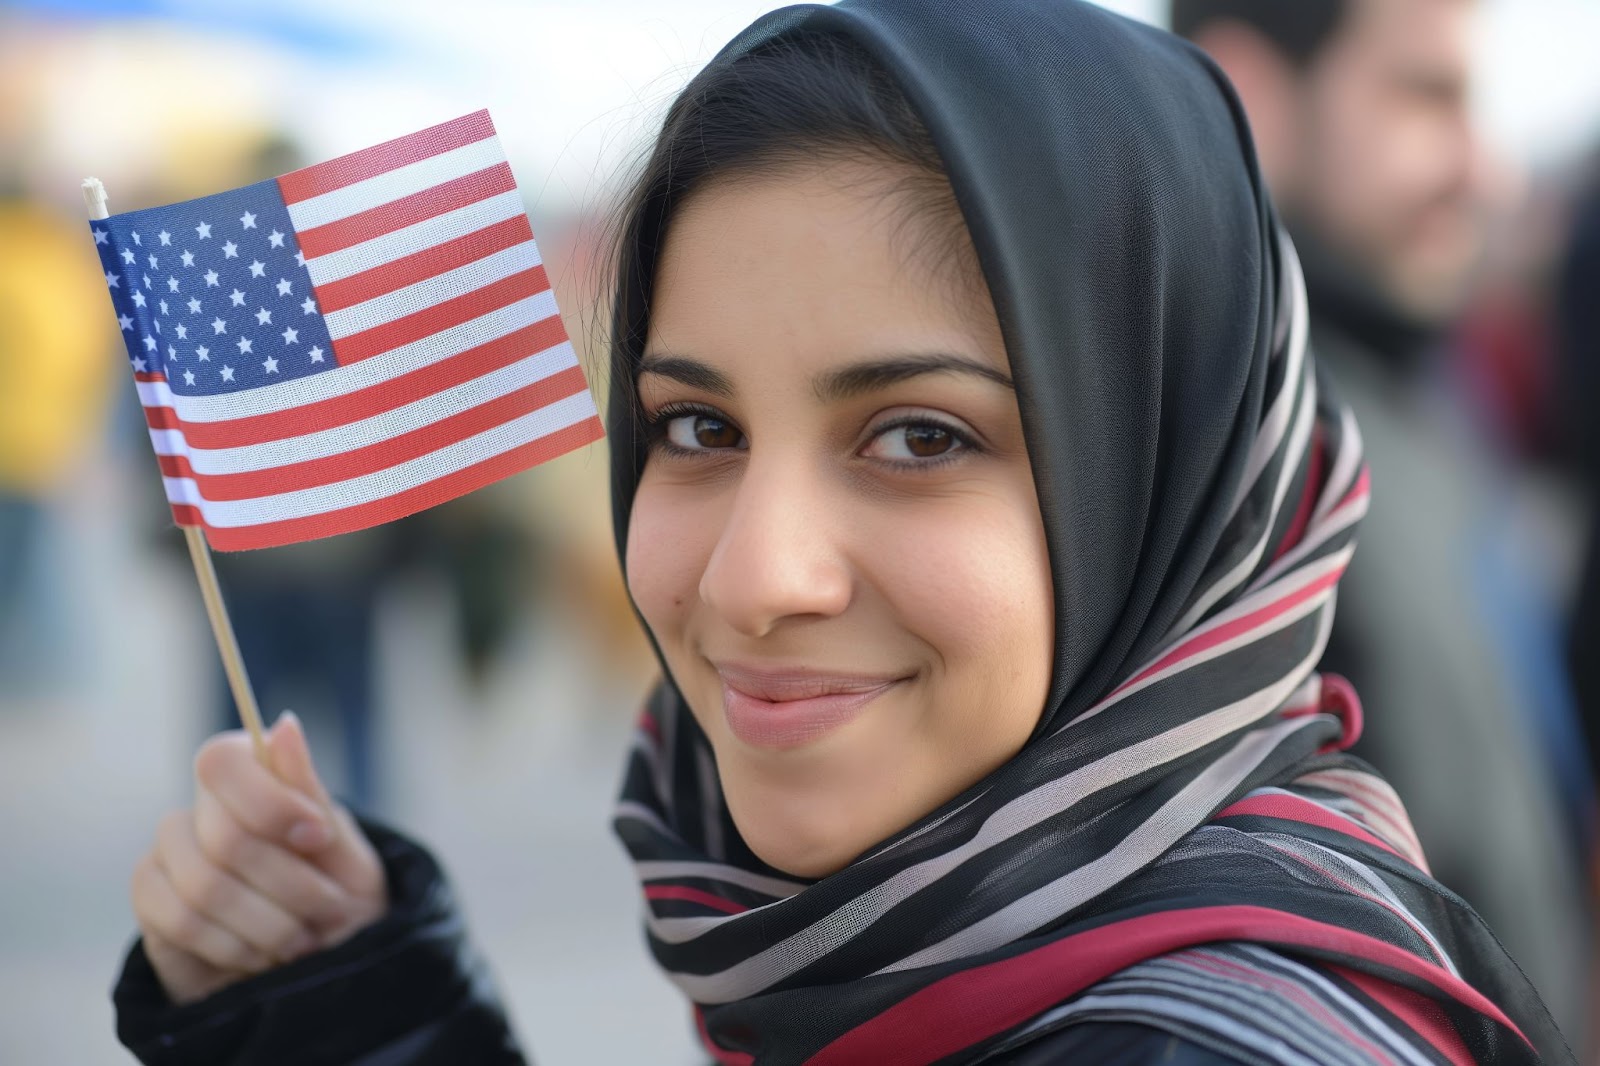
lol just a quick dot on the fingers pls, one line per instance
(223, 898)
(162, 912)
(291, 758)
(257, 799)
(185, 977)
(292, 881)
(348, 858)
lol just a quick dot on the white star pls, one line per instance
(194, 306)
(124, 321)
(172, 284)
(127, 256)
(258, 269)
(166, 238)
(218, 326)
(247, 220)
(291, 336)
(139, 364)
(204, 229)
(275, 239)
(138, 298)
(227, 373)
(187, 257)
(149, 343)
(284, 286)
(204, 353)
(270, 365)
(230, 250)
(316, 353)
(146, 279)
(237, 297)
(163, 305)
(157, 325)
(183, 333)
(211, 278)
(188, 377)
(100, 236)
(113, 280)
(244, 346)
(309, 306)
(154, 262)
(300, 257)
(264, 317)
(136, 239)
(172, 353)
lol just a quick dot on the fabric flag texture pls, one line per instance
(346, 344)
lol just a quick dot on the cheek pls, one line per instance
(670, 537)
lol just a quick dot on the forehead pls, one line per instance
(824, 263)
(1418, 30)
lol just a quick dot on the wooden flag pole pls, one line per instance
(94, 196)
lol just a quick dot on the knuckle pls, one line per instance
(223, 842)
(217, 757)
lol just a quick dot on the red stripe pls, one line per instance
(374, 399)
(149, 375)
(162, 418)
(420, 498)
(973, 1005)
(693, 895)
(406, 211)
(383, 454)
(723, 1056)
(382, 158)
(440, 316)
(1308, 498)
(1424, 1016)
(184, 515)
(1211, 638)
(419, 266)
(1298, 809)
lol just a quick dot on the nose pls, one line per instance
(779, 557)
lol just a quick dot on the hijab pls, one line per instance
(1182, 842)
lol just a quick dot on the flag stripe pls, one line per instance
(348, 170)
(442, 316)
(459, 283)
(372, 487)
(346, 380)
(389, 215)
(420, 236)
(547, 335)
(396, 273)
(409, 501)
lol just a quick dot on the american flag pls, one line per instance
(347, 344)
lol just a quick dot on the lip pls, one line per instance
(781, 709)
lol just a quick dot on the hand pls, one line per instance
(265, 868)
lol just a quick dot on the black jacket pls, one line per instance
(412, 991)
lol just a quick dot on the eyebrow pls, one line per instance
(842, 384)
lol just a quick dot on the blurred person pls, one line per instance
(55, 379)
(1360, 110)
(975, 485)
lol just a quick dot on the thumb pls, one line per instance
(291, 758)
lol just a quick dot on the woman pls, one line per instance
(973, 480)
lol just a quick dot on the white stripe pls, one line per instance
(429, 292)
(1141, 1007)
(392, 185)
(426, 411)
(303, 503)
(1277, 419)
(1336, 522)
(654, 870)
(1343, 476)
(364, 373)
(418, 237)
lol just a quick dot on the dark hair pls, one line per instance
(802, 100)
(1299, 28)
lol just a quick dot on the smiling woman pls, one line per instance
(973, 478)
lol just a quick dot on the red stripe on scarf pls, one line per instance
(1298, 809)
(1422, 1014)
(693, 895)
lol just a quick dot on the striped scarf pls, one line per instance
(1194, 852)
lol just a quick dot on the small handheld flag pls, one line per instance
(347, 344)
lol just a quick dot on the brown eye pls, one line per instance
(925, 442)
(703, 433)
(910, 442)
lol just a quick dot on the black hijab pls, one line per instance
(1181, 841)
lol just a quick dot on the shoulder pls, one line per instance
(1114, 1044)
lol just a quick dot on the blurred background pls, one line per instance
(471, 674)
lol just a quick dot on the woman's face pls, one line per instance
(836, 540)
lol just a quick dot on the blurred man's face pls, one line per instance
(1385, 168)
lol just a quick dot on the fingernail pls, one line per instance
(309, 834)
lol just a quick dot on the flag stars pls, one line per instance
(138, 298)
(218, 326)
(284, 286)
(172, 352)
(204, 353)
(270, 365)
(183, 333)
(157, 325)
(146, 279)
(211, 278)
(100, 236)
(166, 238)
(247, 220)
(264, 317)
(291, 336)
(188, 377)
(258, 269)
(172, 284)
(135, 235)
(128, 256)
(275, 239)
(230, 250)
(227, 373)
(149, 343)
(237, 297)
(125, 322)
(154, 262)
(187, 257)
(113, 281)
(163, 305)
(300, 257)
(203, 230)
(139, 364)
(194, 306)
(309, 306)
(315, 353)
(245, 346)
